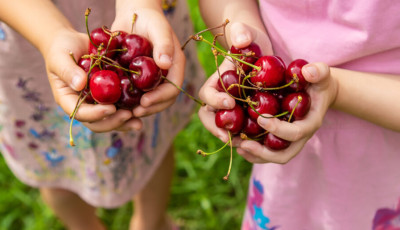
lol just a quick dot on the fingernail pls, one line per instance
(108, 112)
(166, 59)
(76, 80)
(225, 103)
(312, 71)
(262, 121)
(242, 38)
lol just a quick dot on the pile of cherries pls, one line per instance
(262, 85)
(120, 68)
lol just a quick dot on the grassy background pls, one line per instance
(200, 199)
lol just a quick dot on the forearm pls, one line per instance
(122, 7)
(36, 20)
(214, 13)
(372, 97)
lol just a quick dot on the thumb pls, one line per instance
(63, 66)
(163, 44)
(241, 35)
(316, 72)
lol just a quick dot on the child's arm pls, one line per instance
(152, 24)
(43, 25)
(369, 96)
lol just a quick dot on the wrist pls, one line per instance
(126, 8)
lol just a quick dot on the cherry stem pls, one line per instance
(134, 18)
(243, 136)
(72, 56)
(203, 31)
(200, 38)
(250, 103)
(87, 12)
(231, 157)
(280, 87)
(183, 91)
(201, 152)
(72, 116)
(299, 99)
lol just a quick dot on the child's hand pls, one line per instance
(67, 79)
(152, 24)
(322, 91)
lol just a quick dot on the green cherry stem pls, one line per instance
(87, 12)
(183, 91)
(201, 152)
(250, 103)
(299, 99)
(72, 117)
(231, 157)
(200, 38)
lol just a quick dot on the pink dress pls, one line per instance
(347, 177)
(105, 169)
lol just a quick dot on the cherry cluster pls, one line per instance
(262, 85)
(119, 67)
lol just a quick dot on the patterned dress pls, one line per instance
(105, 169)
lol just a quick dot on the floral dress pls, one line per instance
(105, 169)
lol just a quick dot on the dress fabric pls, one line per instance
(105, 169)
(347, 175)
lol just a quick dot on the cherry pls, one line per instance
(228, 78)
(301, 108)
(267, 104)
(117, 70)
(271, 73)
(230, 119)
(85, 63)
(99, 36)
(275, 143)
(293, 72)
(135, 46)
(130, 96)
(252, 128)
(105, 87)
(120, 38)
(88, 99)
(148, 74)
(253, 49)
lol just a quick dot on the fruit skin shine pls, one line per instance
(271, 73)
(230, 119)
(105, 86)
(148, 74)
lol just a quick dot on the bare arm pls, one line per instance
(370, 96)
(37, 20)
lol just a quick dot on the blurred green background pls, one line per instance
(200, 199)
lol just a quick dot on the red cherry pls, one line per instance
(271, 73)
(135, 46)
(149, 75)
(302, 108)
(230, 119)
(120, 38)
(251, 128)
(294, 69)
(105, 87)
(267, 104)
(228, 78)
(99, 36)
(252, 48)
(130, 96)
(88, 99)
(275, 143)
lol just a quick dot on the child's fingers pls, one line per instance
(209, 93)
(131, 124)
(208, 119)
(241, 35)
(63, 66)
(141, 111)
(110, 123)
(316, 72)
(163, 44)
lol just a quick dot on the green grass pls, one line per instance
(200, 199)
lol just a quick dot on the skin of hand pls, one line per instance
(153, 25)
(52, 34)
